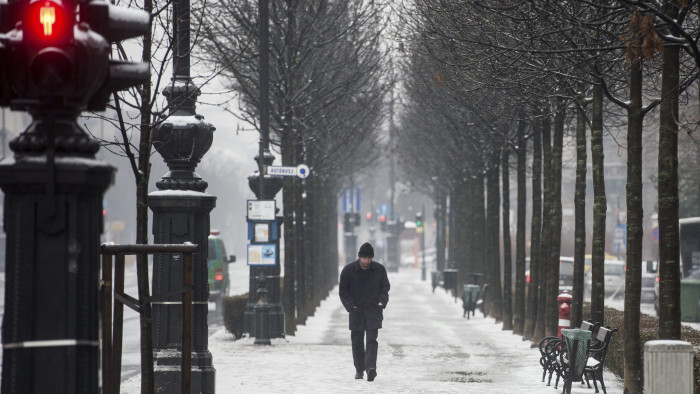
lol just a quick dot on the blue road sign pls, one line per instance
(351, 199)
(384, 209)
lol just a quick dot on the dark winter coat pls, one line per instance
(364, 289)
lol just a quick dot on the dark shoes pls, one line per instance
(358, 375)
(371, 374)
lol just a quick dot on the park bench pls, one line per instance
(596, 359)
(551, 349)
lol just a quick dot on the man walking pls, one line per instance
(364, 292)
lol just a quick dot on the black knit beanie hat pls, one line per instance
(366, 250)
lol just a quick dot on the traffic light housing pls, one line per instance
(54, 58)
(419, 219)
(347, 225)
(116, 24)
(382, 222)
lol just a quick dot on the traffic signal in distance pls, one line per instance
(357, 219)
(419, 219)
(347, 225)
(368, 216)
(382, 223)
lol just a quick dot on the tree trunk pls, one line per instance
(535, 233)
(546, 236)
(452, 240)
(552, 314)
(459, 206)
(600, 206)
(289, 158)
(142, 178)
(494, 246)
(519, 305)
(579, 215)
(333, 269)
(288, 201)
(669, 264)
(441, 241)
(479, 222)
(507, 267)
(299, 240)
(635, 213)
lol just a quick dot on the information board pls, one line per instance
(261, 209)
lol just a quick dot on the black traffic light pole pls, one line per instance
(54, 188)
(53, 221)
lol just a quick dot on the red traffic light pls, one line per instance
(48, 22)
(369, 215)
(382, 219)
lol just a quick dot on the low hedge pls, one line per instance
(234, 311)
(648, 330)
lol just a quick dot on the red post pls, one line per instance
(564, 300)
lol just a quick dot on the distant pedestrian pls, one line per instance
(364, 292)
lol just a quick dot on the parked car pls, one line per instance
(614, 278)
(566, 273)
(589, 258)
(217, 267)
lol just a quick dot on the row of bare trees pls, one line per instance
(484, 80)
(328, 79)
(329, 76)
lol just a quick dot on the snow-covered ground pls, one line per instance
(425, 347)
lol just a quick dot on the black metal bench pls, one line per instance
(596, 359)
(551, 350)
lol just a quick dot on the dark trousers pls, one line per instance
(364, 359)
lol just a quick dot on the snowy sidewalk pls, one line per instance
(425, 347)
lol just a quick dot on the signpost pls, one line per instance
(261, 210)
(384, 209)
(655, 234)
(262, 254)
(302, 171)
(351, 199)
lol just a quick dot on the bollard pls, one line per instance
(668, 367)
(262, 313)
(564, 300)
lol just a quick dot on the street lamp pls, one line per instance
(182, 140)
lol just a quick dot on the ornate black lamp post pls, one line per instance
(181, 213)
